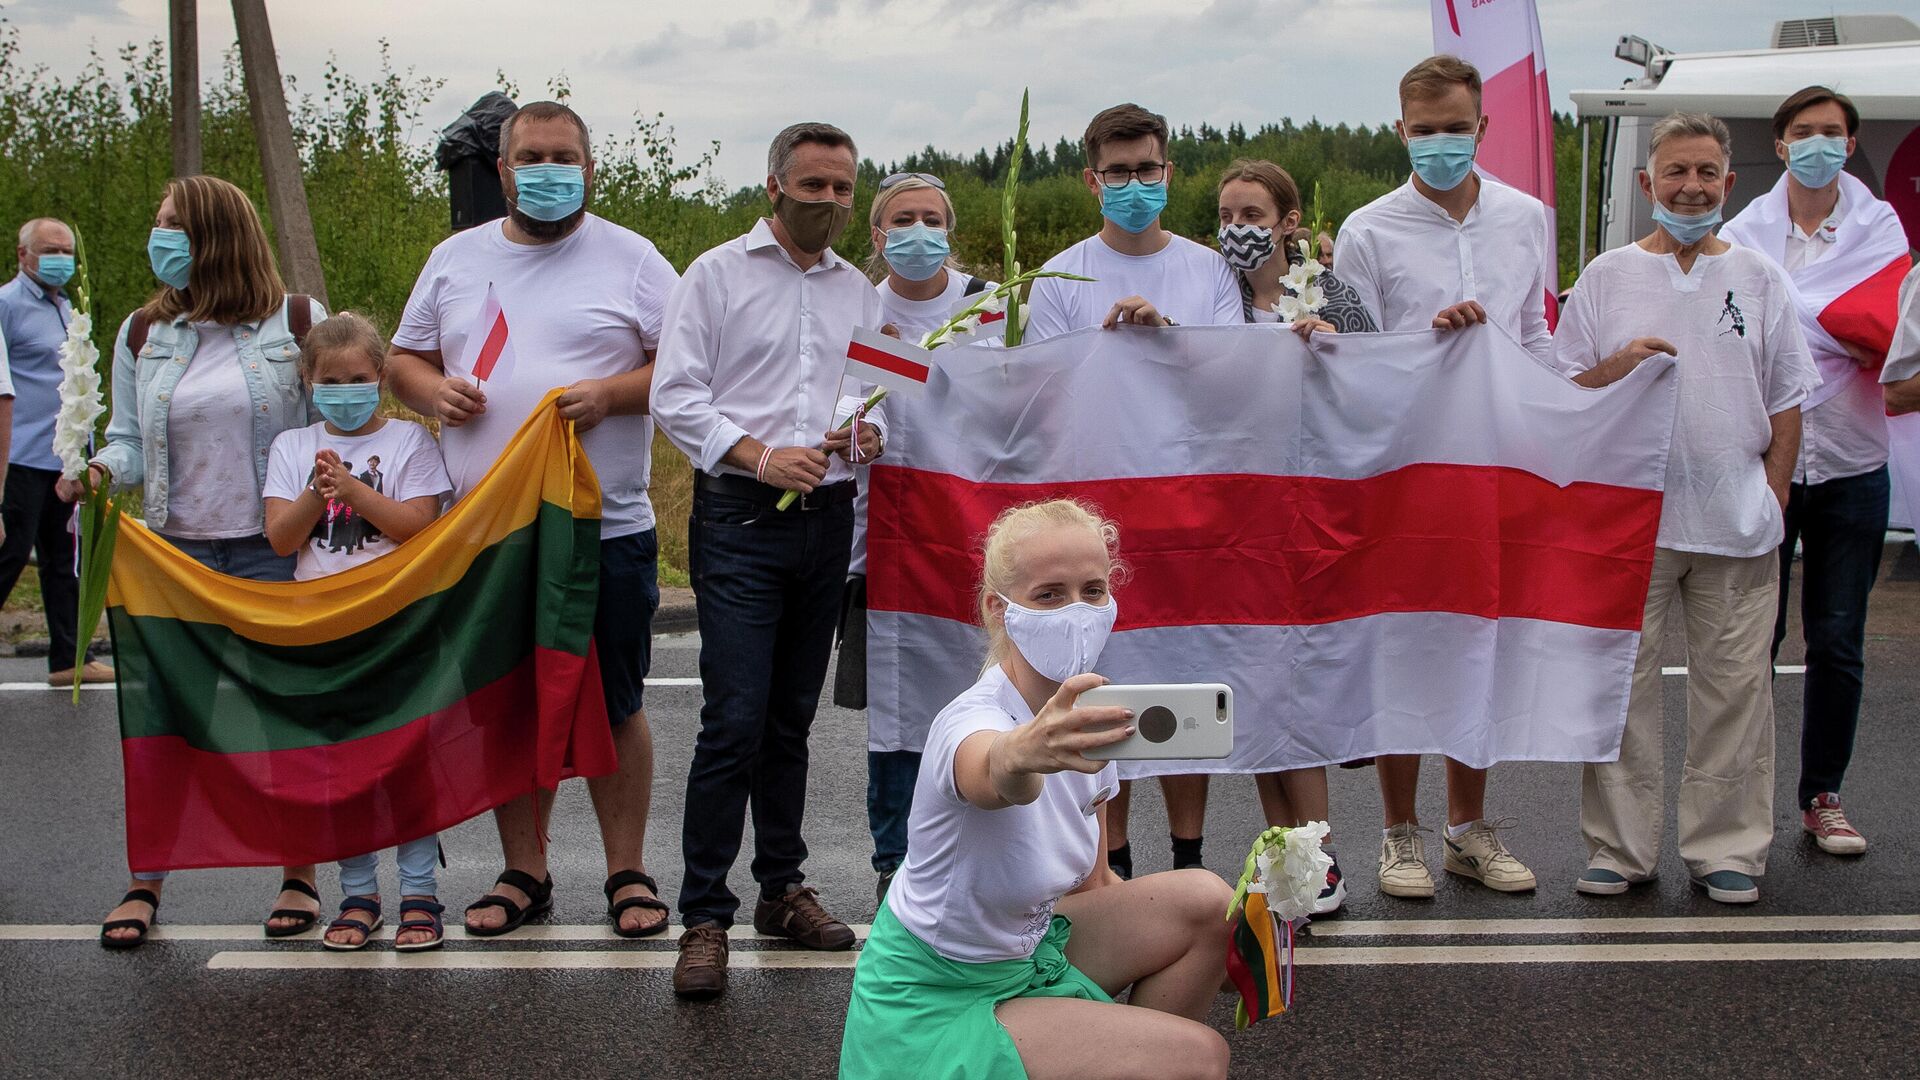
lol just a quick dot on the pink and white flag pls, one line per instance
(1385, 543)
(1502, 39)
(489, 346)
(879, 360)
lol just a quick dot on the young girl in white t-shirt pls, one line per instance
(338, 493)
(1004, 935)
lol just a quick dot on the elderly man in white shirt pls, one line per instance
(1446, 249)
(1727, 314)
(1843, 248)
(748, 386)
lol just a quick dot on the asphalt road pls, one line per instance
(1821, 977)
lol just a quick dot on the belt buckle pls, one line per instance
(806, 500)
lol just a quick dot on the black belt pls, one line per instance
(753, 491)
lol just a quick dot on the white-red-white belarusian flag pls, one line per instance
(489, 346)
(879, 360)
(1415, 542)
(1502, 39)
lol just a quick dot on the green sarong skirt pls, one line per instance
(916, 1013)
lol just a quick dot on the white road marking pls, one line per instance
(1778, 669)
(1717, 924)
(252, 932)
(661, 959)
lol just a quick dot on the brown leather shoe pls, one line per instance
(799, 917)
(93, 672)
(701, 972)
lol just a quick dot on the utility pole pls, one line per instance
(279, 158)
(183, 27)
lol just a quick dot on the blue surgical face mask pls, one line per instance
(1442, 161)
(55, 270)
(1688, 229)
(1816, 160)
(171, 256)
(549, 192)
(1135, 206)
(917, 251)
(347, 406)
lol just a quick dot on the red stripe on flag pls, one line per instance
(1864, 315)
(1292, 550)
(992, 316)
(189, 808)
(886, 361)
(490, 352)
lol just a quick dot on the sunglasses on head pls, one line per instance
(903, 176)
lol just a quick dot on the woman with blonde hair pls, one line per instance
(1005, 935)
(920, 286)
(1260, 237)
(205, 375)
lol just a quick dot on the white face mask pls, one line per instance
(1061, 642)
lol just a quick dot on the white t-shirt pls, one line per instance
(6, 370)
(1187, 282)
(980, 885)
(400, 461)
(1741, 360)
(582, 307)
(1409, 260)
(209, 441)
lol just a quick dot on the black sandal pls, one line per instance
(146, 896)
(307, 918)
(432, 910)
(367, 929)
(624, 879)
(539, 895)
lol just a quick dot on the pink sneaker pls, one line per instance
(1824, 819)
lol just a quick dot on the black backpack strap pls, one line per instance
(300, 317)
(137, 327)
(974, 285)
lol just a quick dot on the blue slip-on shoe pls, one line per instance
(1600, 882)
(1729, 887)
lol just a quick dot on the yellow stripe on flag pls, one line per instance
(543, 464)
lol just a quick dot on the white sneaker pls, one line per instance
(1479, 854)
(1403, 863)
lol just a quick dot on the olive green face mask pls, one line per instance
(813, 226)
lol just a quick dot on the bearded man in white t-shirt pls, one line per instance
(584, 300)
(1727, 314)
(1142, 275)
(1444, 250)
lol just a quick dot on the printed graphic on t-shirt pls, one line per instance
(339, 528)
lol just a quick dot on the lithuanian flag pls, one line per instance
(300, 722)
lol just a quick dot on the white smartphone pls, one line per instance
(1171, 721)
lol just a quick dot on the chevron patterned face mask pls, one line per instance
(1246, 247)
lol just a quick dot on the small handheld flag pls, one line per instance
(489, 346)
(873, 357)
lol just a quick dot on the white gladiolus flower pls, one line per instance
(1294, 875)
(80, 404)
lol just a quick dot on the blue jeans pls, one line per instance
(360, 875)
(891, 775)
(1842, 529)
(246, 557)
(767, 584)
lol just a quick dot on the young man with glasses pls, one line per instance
(1142, 273)
(1145, 276)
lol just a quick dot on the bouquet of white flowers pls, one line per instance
(81, 406)
(1283, 876)
(1303, 296)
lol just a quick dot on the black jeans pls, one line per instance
(36, 520)
(1842, 527)
(767, 584)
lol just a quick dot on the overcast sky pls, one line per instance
(901, 75)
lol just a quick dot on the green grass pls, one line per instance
(26, 593)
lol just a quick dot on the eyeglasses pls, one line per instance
(901, 177)
(1151, 173)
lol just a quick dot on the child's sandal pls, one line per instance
(432, 922)
(366, 929)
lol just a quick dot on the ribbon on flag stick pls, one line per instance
(889, 364)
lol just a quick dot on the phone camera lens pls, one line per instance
(1158, 724)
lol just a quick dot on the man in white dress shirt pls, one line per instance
(1446, 249)
(748, 387)
(1843, 249)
